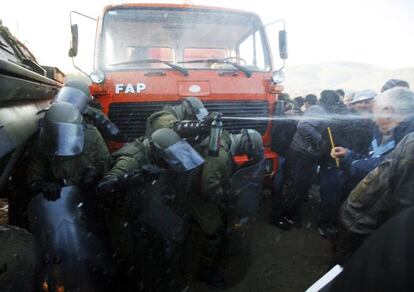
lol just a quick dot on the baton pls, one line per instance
(333, 145)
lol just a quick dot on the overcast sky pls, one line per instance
(377, 32)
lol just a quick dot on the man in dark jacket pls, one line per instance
(301, 160)
(351, 129)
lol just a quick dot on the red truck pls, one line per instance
(149, 55)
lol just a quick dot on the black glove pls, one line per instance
(214, 115)
(51, 191)
(150, 172)
(89, 178)
(108, 185)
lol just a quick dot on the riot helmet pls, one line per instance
(248, 142)
(76, 92)
(194, 109)
(176, 153)
(62, 130)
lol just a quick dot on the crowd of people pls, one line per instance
(172, 206)
(356, 147)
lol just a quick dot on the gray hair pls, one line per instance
(398, 98)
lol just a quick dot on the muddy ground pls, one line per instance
(283, 261)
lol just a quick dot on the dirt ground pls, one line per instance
(284, 261)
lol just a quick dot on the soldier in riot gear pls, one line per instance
(76, 91)
(150, 227)
(68, 158)
(67, 152)
(211, 210)
(191, 108)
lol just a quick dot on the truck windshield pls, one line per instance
(181, 37)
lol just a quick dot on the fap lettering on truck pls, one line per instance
(150, 55)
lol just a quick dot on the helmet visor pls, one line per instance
(62, 139)
(74, 96)
(182, 157)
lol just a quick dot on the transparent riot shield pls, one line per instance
(163, 222)
(246, 186)
(72, 257)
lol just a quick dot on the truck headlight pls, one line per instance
(97, 76)
(278, 76)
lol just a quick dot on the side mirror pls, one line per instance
(73, 51)
(283, 52)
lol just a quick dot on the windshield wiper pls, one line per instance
(222, 61)
(149, 61)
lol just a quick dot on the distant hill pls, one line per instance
(313, 78)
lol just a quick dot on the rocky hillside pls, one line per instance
(313, 78)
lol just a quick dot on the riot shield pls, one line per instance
(246, 186)
(163, 222)
(72, 257)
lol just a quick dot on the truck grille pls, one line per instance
(131, 117)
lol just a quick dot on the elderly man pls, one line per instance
(387, 189)
(362, 101)
(393, 114)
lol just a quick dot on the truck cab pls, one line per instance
(150, 55)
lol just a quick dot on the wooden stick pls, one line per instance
(333, 145)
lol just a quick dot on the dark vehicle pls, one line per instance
(25, 89)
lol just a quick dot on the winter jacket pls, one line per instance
(348, 130)
(360, 165)
(308, 136)
(385, 191)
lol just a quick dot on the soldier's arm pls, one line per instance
(127, 159)
(159, 120)
(126, 168)
(104, 125)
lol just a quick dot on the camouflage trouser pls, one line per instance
(17, 259)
